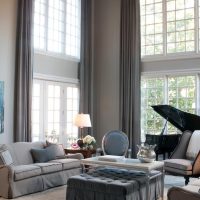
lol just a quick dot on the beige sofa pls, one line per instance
(188, 192)
(22, 176)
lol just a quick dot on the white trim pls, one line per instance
(57, 55)
(61, 55)
(165, 55)
(169, 73)
(55, 78)
(175, 56)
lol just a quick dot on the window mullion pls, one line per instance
(45, 109)
(65, 27)
(62, 114)
(46, 25)
(166, 100)
(42, 130)
(166, 97)
(196, 13)
(164, 28)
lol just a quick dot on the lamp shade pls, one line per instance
(82, 120)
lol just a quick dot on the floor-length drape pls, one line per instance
(23, 72)
(130, 60)
(85, 70)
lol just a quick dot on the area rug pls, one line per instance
(59, 193)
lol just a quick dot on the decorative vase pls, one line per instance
(80, 143)
(146, 153)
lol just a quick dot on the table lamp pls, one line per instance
(81, 121)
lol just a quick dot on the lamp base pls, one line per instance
(80, 143)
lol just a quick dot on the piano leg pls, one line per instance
(164, 156)
(157, 156)
(187, 179)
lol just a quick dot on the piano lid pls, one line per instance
(180, 119)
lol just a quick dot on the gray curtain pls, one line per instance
(130, 63)
(23, 72)
(85, 68)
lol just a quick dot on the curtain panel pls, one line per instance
(85, 68)
(23, 72)
(130, 63)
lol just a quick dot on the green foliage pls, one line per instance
(181, 94)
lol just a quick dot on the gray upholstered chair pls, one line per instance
(115, 143)
(179, 164)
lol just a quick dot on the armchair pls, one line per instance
(115, 143)
(180, 163)
(188, 192)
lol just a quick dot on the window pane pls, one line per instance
(72, 103)
(152, 93)
(172, 29)
(180, 92)
(180, 26)
(36, 111)
(57, 26)
(39, 24)
(53, 113)
(151, 25)
(73, 28)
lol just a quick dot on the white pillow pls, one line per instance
(5, 156)
(194, 145)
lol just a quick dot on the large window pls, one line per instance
(57, 27)
(169, 26)
(54, 107)
(178, 91)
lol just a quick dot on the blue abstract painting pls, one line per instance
(1, 106)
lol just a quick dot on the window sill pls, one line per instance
(57, 55)
(177, 56)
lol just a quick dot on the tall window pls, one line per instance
(54, 107)
(57, 26)
(177, 91)
(169, 26)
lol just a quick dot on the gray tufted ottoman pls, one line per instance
(112, 184)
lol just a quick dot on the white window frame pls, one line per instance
(182, 55)
(63, 54)
(44, 80)
(166, 98)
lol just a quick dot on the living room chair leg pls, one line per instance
(187, 179)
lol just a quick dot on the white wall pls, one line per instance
(106, 40)
(180, 65)
(50, 65)
(8, 10)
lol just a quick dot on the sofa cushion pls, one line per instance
(68, 163)
(193, 146)
(5, 156)
(181, 164)
(25, 171)
(20, 151)
(49, 167)
(42, 155)
(57, 149)
(178, 171)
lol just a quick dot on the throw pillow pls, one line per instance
(56, 149)
(5, 156)
(193, 146)
(42, 155)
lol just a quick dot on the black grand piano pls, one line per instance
(180, 119)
